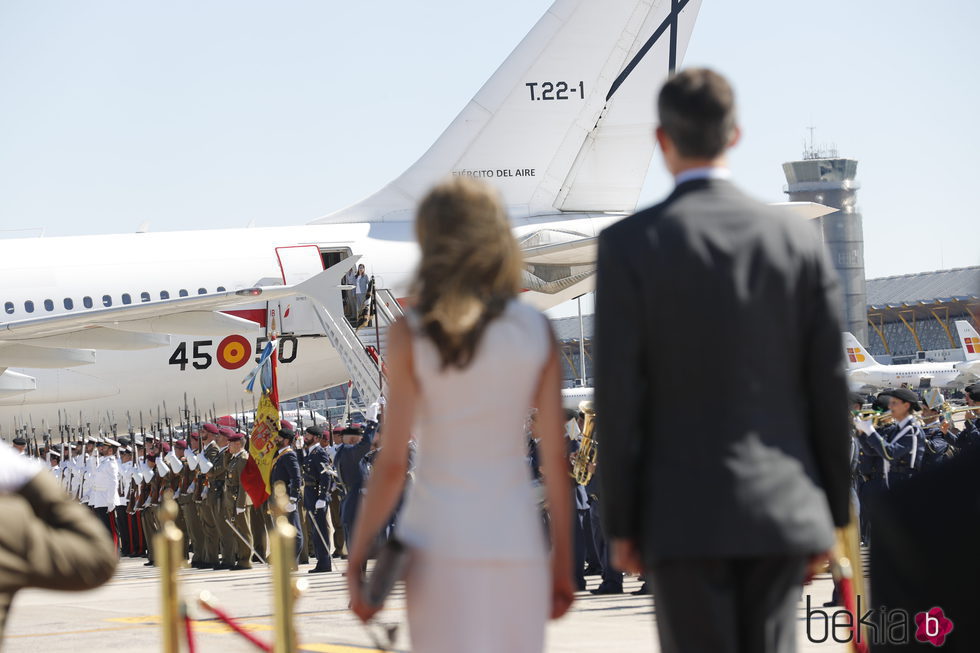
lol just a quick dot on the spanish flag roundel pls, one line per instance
(233, 352)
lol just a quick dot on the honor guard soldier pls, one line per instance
(209, 456)
(20, 444)
(285, 469)
(897, 443)
(105, 486)
(318, 484)
(236, 545)
(216, 491)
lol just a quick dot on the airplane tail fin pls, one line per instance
(565, 123)
(857, 356)
(969, 340)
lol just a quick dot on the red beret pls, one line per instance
(164, 447)
(211, 428)
(195, 434)
(226, 431)
(235, 436)
(181, 443)
(227, 420)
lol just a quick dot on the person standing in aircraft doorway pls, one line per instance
(349, 280)
(360, 288)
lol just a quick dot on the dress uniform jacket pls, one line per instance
(898, 445)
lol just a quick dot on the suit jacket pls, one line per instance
(49, 540)
(716, 293)
(286, 469)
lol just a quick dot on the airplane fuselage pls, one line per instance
(52, 276)
(939, 375)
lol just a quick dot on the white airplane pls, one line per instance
(572, 397)
(108, 330)
(864, 371)
(970, 342)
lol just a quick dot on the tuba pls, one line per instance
(583, 466)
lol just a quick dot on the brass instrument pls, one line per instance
(584, 464)
(877, 418)
(948, 411)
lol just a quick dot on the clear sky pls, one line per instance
(213, 114)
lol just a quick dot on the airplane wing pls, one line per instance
(70, 339)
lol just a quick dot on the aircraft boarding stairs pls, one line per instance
(362, 349)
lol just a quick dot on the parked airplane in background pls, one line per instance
(103, 330)
(99, 328)
(572, 397)
(864, 371)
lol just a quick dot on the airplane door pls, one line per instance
(294, 315)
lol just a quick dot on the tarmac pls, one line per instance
(124, 615)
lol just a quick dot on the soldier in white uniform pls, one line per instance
(104, 486)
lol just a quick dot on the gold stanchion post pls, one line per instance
(168, 545)
(282, 542)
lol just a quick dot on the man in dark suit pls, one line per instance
(710, 283)
(285, 470)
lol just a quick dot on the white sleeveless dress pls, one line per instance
(480, 577)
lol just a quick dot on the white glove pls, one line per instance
(174, 462)
(239, 511)
(191, 459)
(161, 466)
(320, 504)
(292, 506)
(203, 464)
(865, 426)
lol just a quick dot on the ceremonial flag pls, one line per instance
(262, 445)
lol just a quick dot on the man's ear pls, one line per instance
(663, 141)
(736, 136)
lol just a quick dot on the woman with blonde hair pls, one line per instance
(465, 367)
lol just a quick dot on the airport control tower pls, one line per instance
(825, 178)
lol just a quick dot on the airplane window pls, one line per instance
(87, 302)
(182, 293)
(29, 306)
(48, 305)
(126, 299)
(144, 296)
(9, 307)
(202, 291)
(69, 304)
(164, 294)
(107, 300)
(221, 289)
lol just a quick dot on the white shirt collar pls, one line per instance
(706, 172)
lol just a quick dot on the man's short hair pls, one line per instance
(697, 112)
